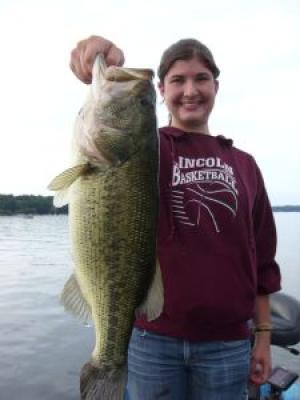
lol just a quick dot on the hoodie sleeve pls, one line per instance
(268, 273)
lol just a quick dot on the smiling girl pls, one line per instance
(216, 244)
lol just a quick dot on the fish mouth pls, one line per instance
(119, 74)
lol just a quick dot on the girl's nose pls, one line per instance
(190, 88)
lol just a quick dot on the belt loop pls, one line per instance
(186, 351)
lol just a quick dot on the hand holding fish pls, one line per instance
(84, 54)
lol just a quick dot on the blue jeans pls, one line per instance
(165, 368)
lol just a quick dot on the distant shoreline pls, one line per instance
(43, 205)
(29, 205)
(286, 208)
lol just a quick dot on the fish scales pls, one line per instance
(112, 189)
(115, 246)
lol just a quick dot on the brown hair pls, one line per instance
(186, 49)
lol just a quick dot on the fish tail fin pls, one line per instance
(102, 383)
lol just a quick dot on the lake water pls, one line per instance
(41, 347)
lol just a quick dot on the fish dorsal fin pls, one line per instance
(69, 176)
(152, 306)
(73, 301)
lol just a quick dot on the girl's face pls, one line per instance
(189, 90)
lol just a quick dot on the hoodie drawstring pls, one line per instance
(171, 218)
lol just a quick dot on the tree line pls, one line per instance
(42, 205)
(29, 204)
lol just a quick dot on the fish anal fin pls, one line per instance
(153, 304)
(73, 301)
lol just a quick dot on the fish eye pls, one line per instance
(144, 101)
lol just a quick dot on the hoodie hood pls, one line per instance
(173, 132)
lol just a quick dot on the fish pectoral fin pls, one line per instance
(62, 182)
(74, 302)
(152, 306)
(69, 176)
(61, 198)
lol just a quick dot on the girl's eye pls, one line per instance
(176, 80)
(202, 77)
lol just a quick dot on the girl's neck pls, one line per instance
(201, 129)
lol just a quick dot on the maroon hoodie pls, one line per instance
(216, 238)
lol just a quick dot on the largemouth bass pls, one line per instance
(112, 191)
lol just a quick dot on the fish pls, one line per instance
(112, 192)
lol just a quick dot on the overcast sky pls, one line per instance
(256, 44)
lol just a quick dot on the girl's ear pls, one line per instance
(216, 85)
(161, 88)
